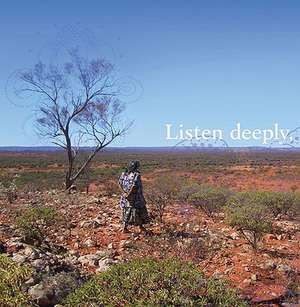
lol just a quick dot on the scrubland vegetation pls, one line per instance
(220, 220)
(12, 277)
(148, 282)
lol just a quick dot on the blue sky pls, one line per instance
(198, 63)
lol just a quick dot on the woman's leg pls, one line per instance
(126, 218)
(125, 228)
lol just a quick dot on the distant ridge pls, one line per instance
(33, 149)
(29, 148)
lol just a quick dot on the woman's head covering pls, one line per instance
(133, 166)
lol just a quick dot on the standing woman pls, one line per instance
(133, 204)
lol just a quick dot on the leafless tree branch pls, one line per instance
(77, 105)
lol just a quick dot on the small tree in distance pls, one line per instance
(77, 105)
(209, 199)
(161, 192)
(281, 203)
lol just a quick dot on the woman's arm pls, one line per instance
(120, 183)
(134, 185)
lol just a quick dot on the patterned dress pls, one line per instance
(134, 211)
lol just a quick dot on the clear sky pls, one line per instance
(209, 64)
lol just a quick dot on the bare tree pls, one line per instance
(77, 105)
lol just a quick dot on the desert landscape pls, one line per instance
(149, 153)
(59, 241)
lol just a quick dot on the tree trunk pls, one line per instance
(68, 182)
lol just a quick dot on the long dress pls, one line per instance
(134, 211)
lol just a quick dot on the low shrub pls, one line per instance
(112, 188)
(281, 203)
(33, 222)
(187, 190)
(249, 214)
(9, 191)
(209, 199)
(12, 277)
(149, 282)
(161, 192)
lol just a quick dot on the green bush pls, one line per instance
(249, 214)
(295, 210)
(209, 199)
(33, 222)
(187, 190)
(281, 203)
(11, 278)
(149, 282)
(9, 191)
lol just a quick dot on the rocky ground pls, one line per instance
(90, 240)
